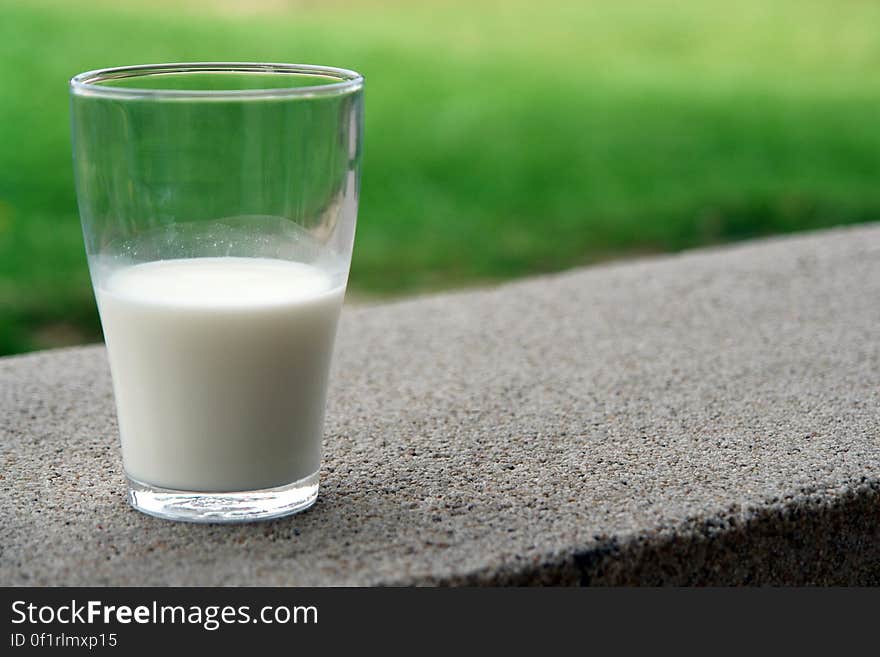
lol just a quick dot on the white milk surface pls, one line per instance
(220, 369)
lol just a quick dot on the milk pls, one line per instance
(220, 369)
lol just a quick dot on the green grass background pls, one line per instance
(502, 138)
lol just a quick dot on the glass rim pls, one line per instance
(88, 82)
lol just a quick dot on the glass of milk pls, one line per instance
(218, 204)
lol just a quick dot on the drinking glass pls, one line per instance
(218, 205)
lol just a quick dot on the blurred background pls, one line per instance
(503, 138)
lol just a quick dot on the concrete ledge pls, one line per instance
(708, 418)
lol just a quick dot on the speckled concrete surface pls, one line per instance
(712, 417)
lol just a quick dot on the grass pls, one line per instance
(500, 141)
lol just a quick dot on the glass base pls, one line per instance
(244, 506)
